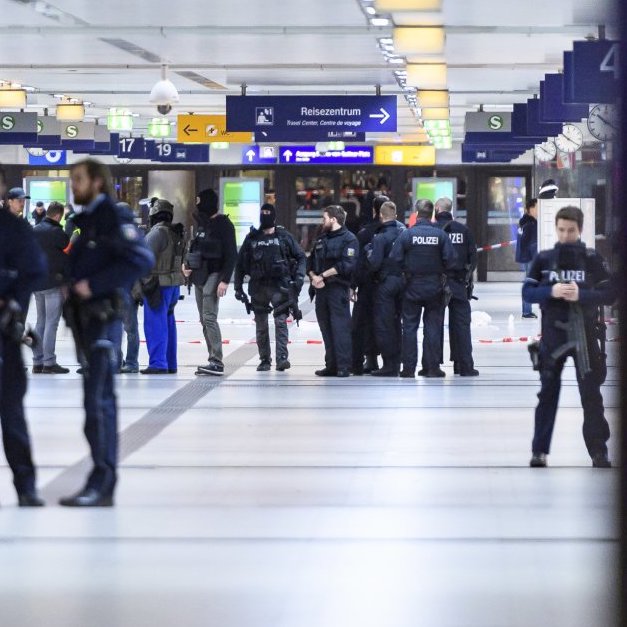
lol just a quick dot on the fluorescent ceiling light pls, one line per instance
(427, 75)
(70, 111)
(389, 6)
(379, 21)
(371, 11)
(438, 113)
(419, 40)
(432, 98)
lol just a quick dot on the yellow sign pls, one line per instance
(404, 154)
(207, 129)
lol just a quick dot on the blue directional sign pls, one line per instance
(52, 157)
(521, 128)
(180, 153)
(534, 125)
(553, 107)
(131, 148)
(326, 113)
(595, 66)
(307, 135)
(264, 155)
(149, 148)
(309, 155)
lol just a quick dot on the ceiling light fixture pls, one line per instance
(379, 21)
(419, 40)
(390, 6)
(12, 95)
(70, 109)
(431, 76)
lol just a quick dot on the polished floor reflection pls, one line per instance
(282, 500)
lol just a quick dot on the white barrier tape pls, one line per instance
(495, 246)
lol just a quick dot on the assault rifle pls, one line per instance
(576, 339)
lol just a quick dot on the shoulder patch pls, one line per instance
(129, 232)
(350, 252)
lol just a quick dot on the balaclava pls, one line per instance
(267, 220)
(207, 203)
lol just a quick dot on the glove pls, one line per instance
(239, 294)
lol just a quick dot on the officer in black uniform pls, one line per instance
(570, 282)
(106, 259)
(425, 254)
(460, 284)
(363, 330)
(22, 268)
(330, 268)
(389, 288)
(275, 263)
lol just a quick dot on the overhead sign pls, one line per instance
(167, 152)
(488, 122)
(52, 157)
(18, 128)
(131, 148)
(206, 129)
(473, 155)
(309, 155)
(596, 74)
(307, 135)
(553, 107)
(329, 113)
(263, 155)
(404, 154)
(534, 124)
(78, 135)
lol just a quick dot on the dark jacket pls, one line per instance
(527, 239)
(215, 240)
(379, 252)
(38, 218)
(567, 262)
(22, 263)
(463, 243)
(270, 259)
(52, 240)
(425, 254)
(364, 237)
(110, 252)
(335, 249)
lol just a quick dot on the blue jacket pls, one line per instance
(110, 252)
(379, 252)
(527, 239)
(335, 249)
(567, 262)
(464, 244)
(22, 263)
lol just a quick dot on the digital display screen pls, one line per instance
(241, 202)
(47, 190)
(433, 189)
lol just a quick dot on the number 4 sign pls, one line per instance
(596, 71)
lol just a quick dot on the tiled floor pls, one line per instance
(281, 500)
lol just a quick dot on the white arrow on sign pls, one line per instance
(288, 155)
(251, 155)
(384, 115)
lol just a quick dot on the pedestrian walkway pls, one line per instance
(282, 500)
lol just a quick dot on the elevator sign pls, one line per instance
(375, 114)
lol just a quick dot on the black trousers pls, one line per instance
(263, 295)
(459, 319)
(432, 332)
(362, 325)
(15, 436)
(334, 319)
(388, 308)
(596, 431)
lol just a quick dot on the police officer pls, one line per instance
(389, 287)
(570, 282)
(22, 267)
(330, 268)
(209, 263)
(425, 254)
(162, 288)
(363, 331)
(107, 257)
(276, 264)
(460, 285)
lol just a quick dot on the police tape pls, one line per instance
(510, 340)
(495, 246)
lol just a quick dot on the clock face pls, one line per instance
(545, 151)
(570, 139)
(603, 122)
(36, 152)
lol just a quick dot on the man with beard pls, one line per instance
(209, 263)
(107, 257)
(330, 268)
